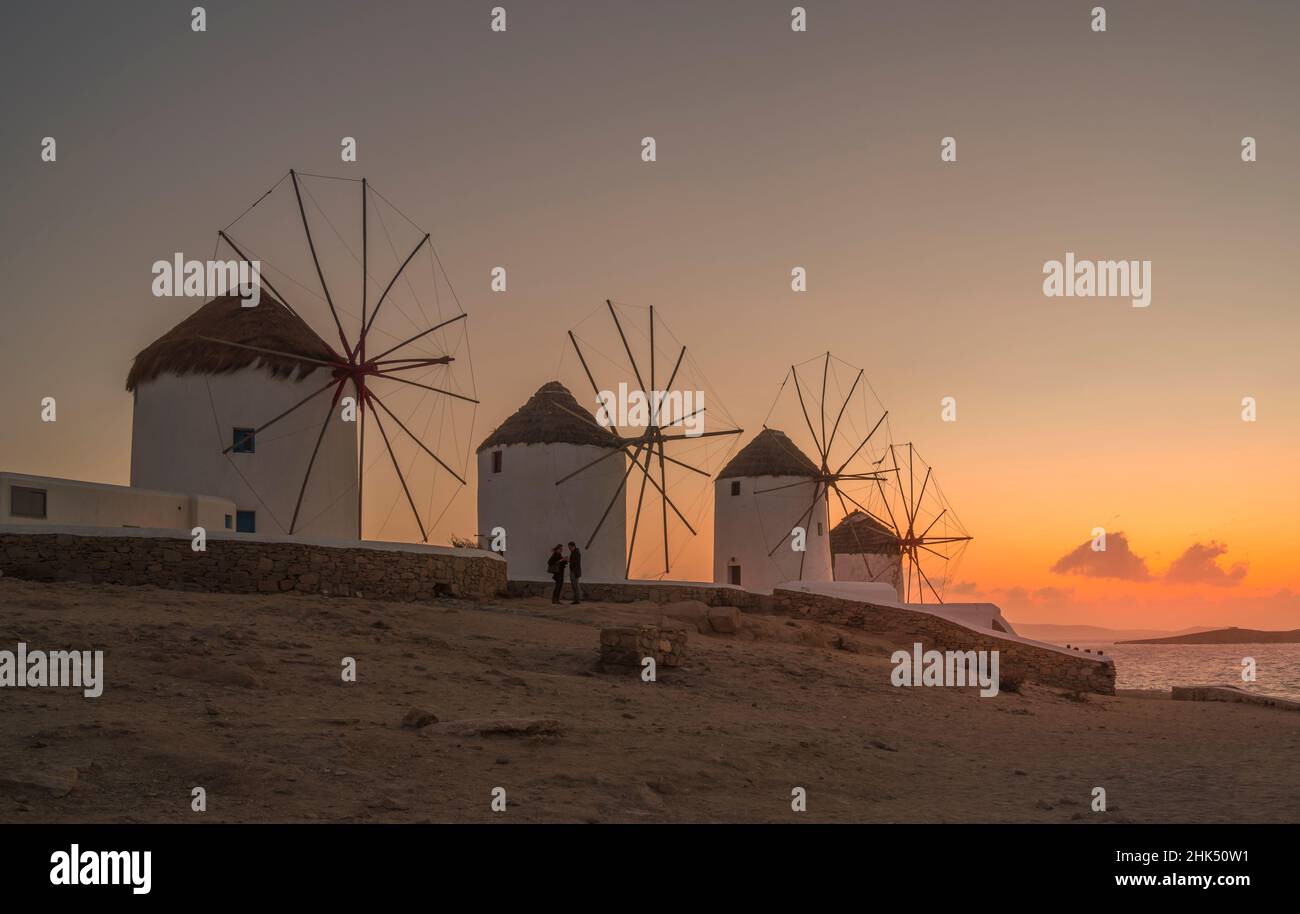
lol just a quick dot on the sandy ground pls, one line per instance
(242, 695)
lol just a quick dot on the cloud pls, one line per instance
(1197, 565)
(1117, 561)
(963, 587)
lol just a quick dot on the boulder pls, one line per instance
(724, 619)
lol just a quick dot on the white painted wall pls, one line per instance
(536, 513)
(877, 567)
(183, 422)
(70, 502)
(747, 526)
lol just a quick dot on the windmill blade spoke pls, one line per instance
(303, 402)
(626, 347)
(844, 405)
(932, 523)
(802, 406)
(437, 390)
(586, 466)
(636, 522)
(412, 364)
(916, 505)
(424, 536)
(595, 388)
(312, 462)
(260, 277)
(807, 513)
(853, 528)
(379, 304)
(275, 352)
(666, 498)
(617, 494)
(863, 442)
(859, 505)
(729, 431)
(410, 434)
(407, 342)
(663, 501)
(311, 244)
(685, 466)
(826, 370)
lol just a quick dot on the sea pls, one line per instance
(1160, 666)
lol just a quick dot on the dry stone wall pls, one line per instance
(252, 566)
(634, 591)
(1016, 659)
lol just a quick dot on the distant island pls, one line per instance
(1226, 636)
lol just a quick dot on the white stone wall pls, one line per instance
(748, 525)
(89, 504)
(535, 513)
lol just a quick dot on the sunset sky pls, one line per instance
(775, 150)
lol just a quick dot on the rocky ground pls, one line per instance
(242, 695)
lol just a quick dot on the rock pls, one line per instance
(724, 620)
(503, 726)
(57, 782)
(416, 718)
(214, 672)
(692, 612)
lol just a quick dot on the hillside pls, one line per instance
(242, 695)
(1226, 636)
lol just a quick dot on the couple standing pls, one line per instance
(555, 568)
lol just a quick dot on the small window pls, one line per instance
(496, 461)
(819, 528)
(735, 487)
(230, 521)
(733, 575)
(24, 502)
(245, 521)
(244, 441)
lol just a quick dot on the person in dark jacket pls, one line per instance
(555, 568)
(575, 571)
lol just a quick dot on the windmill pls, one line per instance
(844, 455)
(678, 425)
(402, 346)
(931, 537)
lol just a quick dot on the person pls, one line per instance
(575, 571)
(555, 568)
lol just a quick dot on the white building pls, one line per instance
(866, 550)
(760, 496)
(195, 398)
(48, 501)
(519, 465)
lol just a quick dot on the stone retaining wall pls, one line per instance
(246, 565)
(1016, 659)
(654, 591)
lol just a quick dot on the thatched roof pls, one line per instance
(270, 325)
(551, 416)
(859, 533)
(771, 453)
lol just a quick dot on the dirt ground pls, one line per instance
(242, 695)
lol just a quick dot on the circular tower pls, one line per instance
(202, 388)
(769, 489)
(529, 487)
